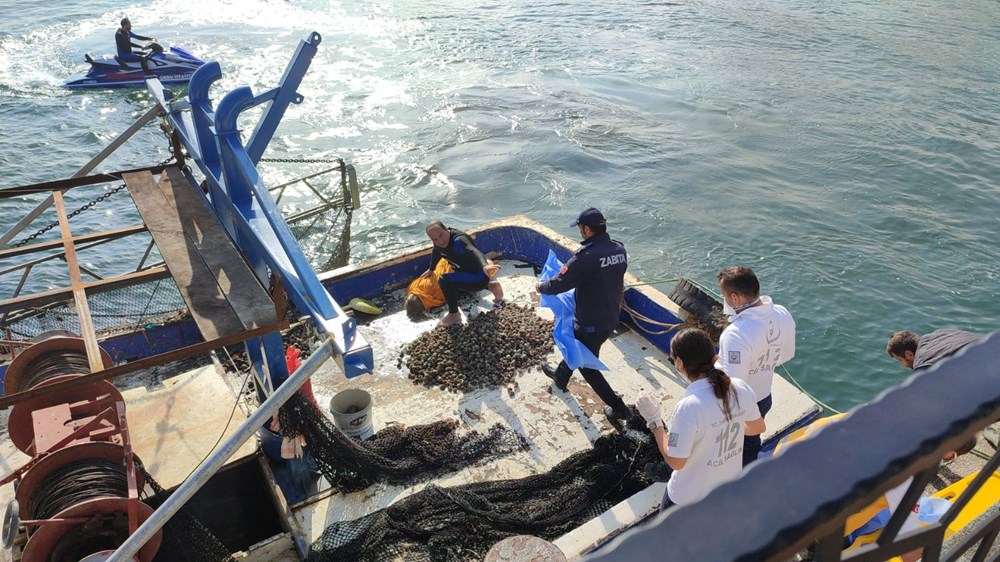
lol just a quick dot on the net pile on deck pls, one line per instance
(462, 523)
(395, 455)
(487, 352)
(184, 536)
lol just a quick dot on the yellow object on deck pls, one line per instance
(361, 305)
(985, 498)
(427, 289)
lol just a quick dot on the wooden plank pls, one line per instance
(206, 300)
(77, 240)
(248, 298)
(92, 287)
(79, 293)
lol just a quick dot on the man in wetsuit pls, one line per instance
(470, 271)
(597, 272)
(123, 41)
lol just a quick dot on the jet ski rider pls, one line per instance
(123, 40)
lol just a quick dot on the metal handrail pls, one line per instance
(781, 505)
(201, 475)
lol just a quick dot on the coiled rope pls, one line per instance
(638, 316)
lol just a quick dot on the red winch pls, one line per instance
(79, 494)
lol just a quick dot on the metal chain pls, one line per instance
(303, 161)
(89, 205)
(49, 227)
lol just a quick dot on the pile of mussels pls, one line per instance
(486, 352)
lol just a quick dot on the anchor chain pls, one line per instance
(86, 206)
(50, 226)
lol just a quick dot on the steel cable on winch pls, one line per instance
(75, 483)
(54, 364)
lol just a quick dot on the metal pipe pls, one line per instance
(214, 462)
(86, 169)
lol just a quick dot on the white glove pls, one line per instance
(649, 407)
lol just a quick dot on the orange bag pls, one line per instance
(427, 289)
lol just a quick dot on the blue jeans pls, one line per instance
(751, 445)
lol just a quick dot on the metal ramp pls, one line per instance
(223, 296)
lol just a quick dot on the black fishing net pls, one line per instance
(118, 311)
(462, 523)
(184, 536)
(395, 455)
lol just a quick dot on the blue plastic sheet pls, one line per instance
(563, 306)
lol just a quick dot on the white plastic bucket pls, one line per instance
(352, 412)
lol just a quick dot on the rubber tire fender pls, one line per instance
(696, 302)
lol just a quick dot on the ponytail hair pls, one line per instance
(722, 388)
(694, 347)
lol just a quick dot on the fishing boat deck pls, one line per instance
(555, 424)
(174, 422)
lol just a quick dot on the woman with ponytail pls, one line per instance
(705, 443)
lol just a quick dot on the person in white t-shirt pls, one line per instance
(705, 445)
(760, 337)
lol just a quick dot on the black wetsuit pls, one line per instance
(597, 272)
(467, 263)
(123, 40)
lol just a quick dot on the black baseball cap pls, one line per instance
(591, 217)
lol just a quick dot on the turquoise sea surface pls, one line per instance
(848, 151)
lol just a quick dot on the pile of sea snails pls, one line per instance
(486, 352)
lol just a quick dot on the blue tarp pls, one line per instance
(563, 306)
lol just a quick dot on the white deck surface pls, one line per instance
(555, 424)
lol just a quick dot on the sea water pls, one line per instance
(847, 151)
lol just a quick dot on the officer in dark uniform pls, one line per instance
(597, 272)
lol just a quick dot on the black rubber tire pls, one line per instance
(697, 302)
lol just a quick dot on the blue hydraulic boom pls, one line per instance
(244, 207)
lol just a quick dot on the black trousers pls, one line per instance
(752, 443)
(593, 342)
(457, 282)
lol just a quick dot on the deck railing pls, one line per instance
(802, 497)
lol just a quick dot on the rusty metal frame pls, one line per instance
(115, 372)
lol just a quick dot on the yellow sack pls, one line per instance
(427, 289)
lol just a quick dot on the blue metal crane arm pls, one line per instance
(242, 202)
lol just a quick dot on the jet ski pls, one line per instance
(171, 66)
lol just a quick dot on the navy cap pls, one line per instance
(591, 217)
